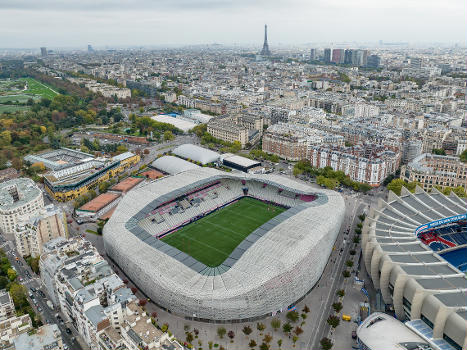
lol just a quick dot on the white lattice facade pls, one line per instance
(272, 273)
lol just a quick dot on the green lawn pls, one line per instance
(37, 88)
(12, 108)
(211, 239)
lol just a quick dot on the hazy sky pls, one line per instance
(71, 23)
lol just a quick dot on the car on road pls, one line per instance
(41, 293)
(65, 347)
(39, 309)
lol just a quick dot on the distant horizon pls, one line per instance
(121, 23)
(281, 45)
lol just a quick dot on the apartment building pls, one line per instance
(19, 199)
(32, 233)
(292, 142)
(7, 308)
(96, 301)
(435, 170)
(245, 128)
(363, 164)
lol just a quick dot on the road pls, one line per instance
(48, 315)
(333, 271)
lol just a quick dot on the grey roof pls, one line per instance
(26, 189)
(95, 314)
(443, 283)
(45, 338)
(458, 299)
(197, 153)
(391, 232)
(172, 165)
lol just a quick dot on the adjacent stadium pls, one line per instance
(414, 247)
(224, 247)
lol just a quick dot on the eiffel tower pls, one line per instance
(265, 51)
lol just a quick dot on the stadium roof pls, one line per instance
(172, 165)
(393, 252)
(179, 123)
(196, 153)
(381, 331)
(250, 283)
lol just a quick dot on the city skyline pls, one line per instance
(161, 23)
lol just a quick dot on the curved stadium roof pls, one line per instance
(269, 273)
(173, 165)
(423, 287)
(196, 153)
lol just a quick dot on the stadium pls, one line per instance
(224, 247)
(415, 249)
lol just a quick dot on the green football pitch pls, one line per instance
(212, 238)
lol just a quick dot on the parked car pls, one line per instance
(68, 330)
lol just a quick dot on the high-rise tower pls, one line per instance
(265, 51)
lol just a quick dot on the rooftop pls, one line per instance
(173, 165)
(127, 184)
(100, 202)
(45, 337)
(196, 153)
(17, 192)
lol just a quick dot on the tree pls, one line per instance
(333, 321)
(154, 314)
(165, 327)
(189, 337)
(292, 316)
(121, 149)
(260, 326)
(294, 339)
(267, 338)
(349, 263)
(463, 156)
(275, 323)
(337, 306)
(326, 343)
(142, 302)
(11, 274)
(18, 294)
(3, 282)
(298, 330)
(363, 187)
(210, 344)
(247, 330)
(346, 273)
(279, 343)
(438, 151)
(221, 332)
(168, 135)
(264, 346)
(17, 163)
(287, 327)
(252, 343)
(459, 191)
(306, 309)
(231, 334)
